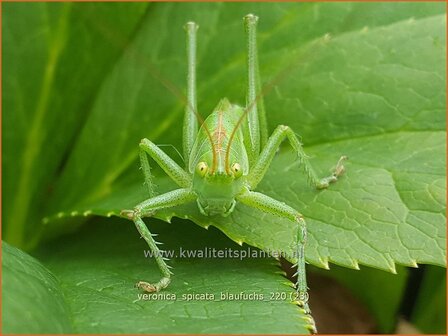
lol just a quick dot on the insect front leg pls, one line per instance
(171, 168)
(268, 204)
(266, 156)
(146, 209)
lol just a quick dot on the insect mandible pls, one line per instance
(226, 158)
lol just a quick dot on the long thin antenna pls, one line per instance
(122, 42)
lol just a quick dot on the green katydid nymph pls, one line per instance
(226, 158)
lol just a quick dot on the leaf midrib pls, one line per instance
(33, 143)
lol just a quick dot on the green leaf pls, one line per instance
(97, 282)
(55, 58)
(379, 82)
(429, 314)
(32, 301)
(358, 94)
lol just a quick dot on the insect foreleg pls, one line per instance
(146, 168)
(146, 209)
(267, 204)
(267, 154)
(169, 166)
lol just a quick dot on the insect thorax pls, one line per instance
(213, 138)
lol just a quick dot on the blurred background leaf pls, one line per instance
(380, 292)
(55, 62)
(429, 314)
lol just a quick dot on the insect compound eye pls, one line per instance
(202, 168)
(236, 169)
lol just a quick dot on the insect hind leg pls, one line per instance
(190, 127)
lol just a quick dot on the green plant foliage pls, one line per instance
(32, 301)
(94, 281)
(83, 83)
(358, 94)
(55, 59)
